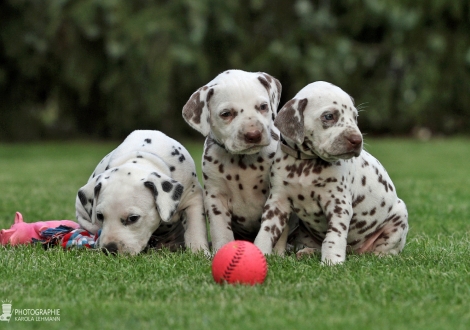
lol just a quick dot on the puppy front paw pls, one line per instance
(332, 259)
(305, 252)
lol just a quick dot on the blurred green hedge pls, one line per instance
(101, 68)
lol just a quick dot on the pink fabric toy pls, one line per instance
(23, 233)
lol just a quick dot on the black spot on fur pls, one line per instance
(167, 186)
(172, 168)
(151, 186)
(82, 197)
(274, 136)
(148, 141)
(178, 192)
(182, 159)
(97, 189)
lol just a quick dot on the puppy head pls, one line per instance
(236, 109)
(322, 118)
(129, 204)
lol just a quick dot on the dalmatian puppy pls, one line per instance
(343, 196)
(146, 189)
(235, 112)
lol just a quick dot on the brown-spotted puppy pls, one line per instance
(235, 112)
(343, 196)
(145, 189)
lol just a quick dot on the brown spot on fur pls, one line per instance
(290, 120)
(371, 225)
(215, 210)
(337, 209)
(382, 181)
(359, 199)
(265, 83)
(242, 165)
(360, 224)
(193, 108)
(274, 136)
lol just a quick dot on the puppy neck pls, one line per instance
(293, 150)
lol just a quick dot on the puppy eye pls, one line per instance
(328, 117)
(132, 219)
(100, 216)
(226, 114)
(263, 107)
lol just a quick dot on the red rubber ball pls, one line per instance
(239, 262)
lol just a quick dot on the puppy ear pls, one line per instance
(85, 205)
(196, 110)
(167, 193)
(96, 192)
(84, 201)
(274, 88)
(290, 120)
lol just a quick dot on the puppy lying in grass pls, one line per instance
(147, 187)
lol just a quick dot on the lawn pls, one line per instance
(426, 287)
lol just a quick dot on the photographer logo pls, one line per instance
(6, 311)
(28, 314)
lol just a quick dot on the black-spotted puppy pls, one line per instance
(235, 113)
(342, 194)
(146, 188)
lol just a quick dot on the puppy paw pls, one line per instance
(306, 252)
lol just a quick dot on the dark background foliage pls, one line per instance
(101, 68)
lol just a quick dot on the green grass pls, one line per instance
(426, 287)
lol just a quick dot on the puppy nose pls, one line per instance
(253, 136)
(355, 140)
(110, 248)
